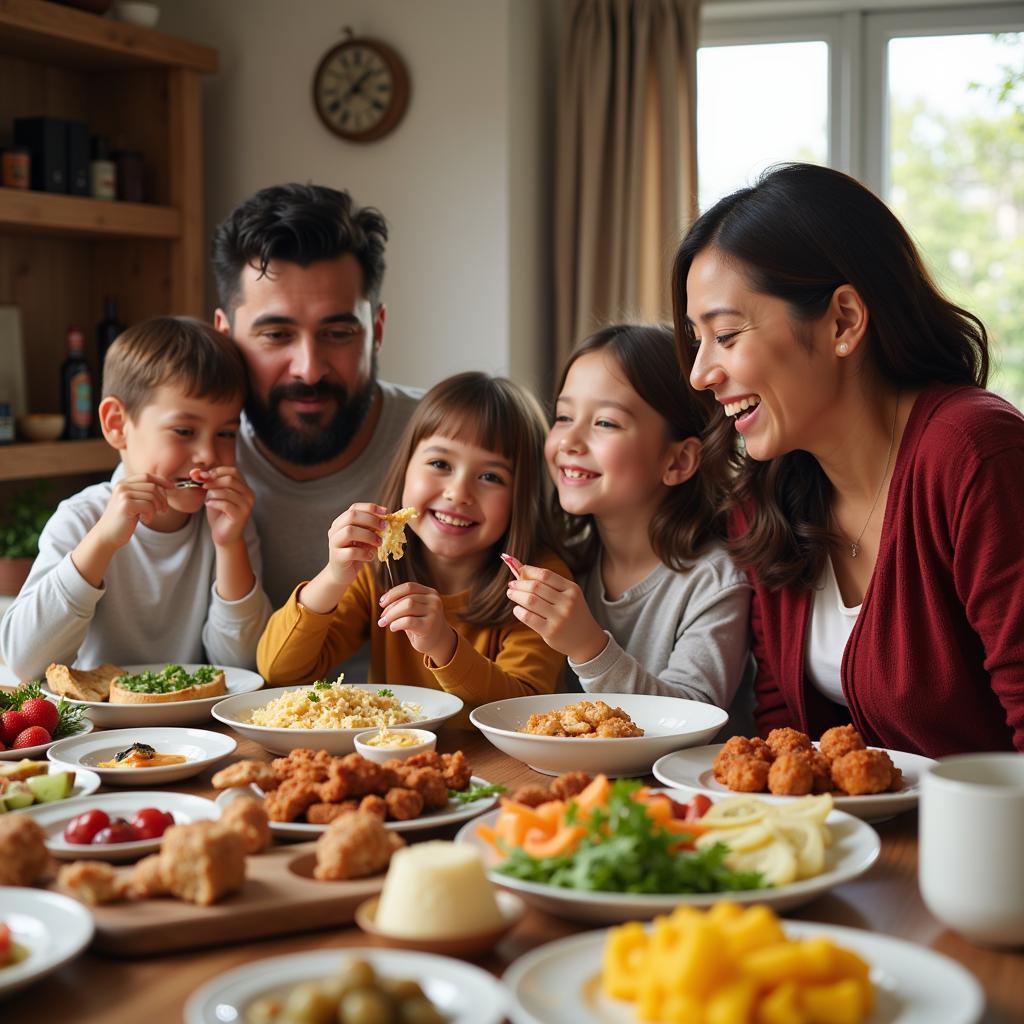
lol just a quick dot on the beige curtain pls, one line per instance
(625, 159)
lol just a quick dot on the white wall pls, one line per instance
(462, 180)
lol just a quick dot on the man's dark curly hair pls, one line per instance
(299, 224)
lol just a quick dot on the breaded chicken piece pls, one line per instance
(248, 817)
(822, 769)
(428, 759)
(290, 800)
(303, 763)
(791, 774)
(746, 774)
(840, 740)
(355, 845)
(364, 777)
(23, 854)
(430, 785)
(457, 771)
(374, 804)
(324, 814)
(613, 728)
(861, 772)
(569, 785)
(202, 862)
(782, 741)
(740, 746)
(93, 881)
(146, 878)
(244, 773)
(532, 795)
(402, 804)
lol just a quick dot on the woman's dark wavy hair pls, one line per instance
(798, 234)
(300, 224)
(690, 514)
(498, 415)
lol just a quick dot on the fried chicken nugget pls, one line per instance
(428, 759)
(791, 774)
(364, 777)
(374, 804)
(23, 854)
(532, 795)
(243, 773)
(248, 817)
(740, 746)
(291, 799)
(456, 770)
(402, 804)
(783, 741)
(615, 727)
(569, 785)
(430, 785)
(822, 769)
(303, 763)
(861, 772)
(746, 774)
(202, 862)
(325, 813)
(146, 879)
(355, 845)
(840, 740)
(92, 881)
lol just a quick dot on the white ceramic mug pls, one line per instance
(971, 846)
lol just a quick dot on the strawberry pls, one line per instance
(11, 723)
(40, 711)
(3, 746)
(33, 736)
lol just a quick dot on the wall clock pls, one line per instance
(361, 89)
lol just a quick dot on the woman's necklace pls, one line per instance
(855, 545)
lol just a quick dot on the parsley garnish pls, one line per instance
(467, 796)
(385, 693)
(321, 684)
(311, 696)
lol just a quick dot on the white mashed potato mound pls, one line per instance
(335, 707)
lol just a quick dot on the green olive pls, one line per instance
(309, 1004)
(354, 974)
(366, 1006)
(401, 989)
(420, 1011)
(263, 1011)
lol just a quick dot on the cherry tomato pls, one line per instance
(699, 805)
(82, 827)
(679, 810)
(150, 823)
(118, 831)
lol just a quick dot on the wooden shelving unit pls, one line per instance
(60, 254)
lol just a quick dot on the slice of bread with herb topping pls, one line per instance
(81, 684)
(171, 684)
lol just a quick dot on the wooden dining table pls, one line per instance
(100, 989)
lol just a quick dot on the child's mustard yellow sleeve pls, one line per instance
(300, 645)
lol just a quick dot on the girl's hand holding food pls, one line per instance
(229, 502)
(556, 609)
(419, 611)
(351, 540)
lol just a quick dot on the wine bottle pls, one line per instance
(106, 331)
(76, 388)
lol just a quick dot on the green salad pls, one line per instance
(625, 850)
(169, 679)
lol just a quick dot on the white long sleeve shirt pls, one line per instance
(158, 601)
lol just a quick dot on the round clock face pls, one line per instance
(361, 90)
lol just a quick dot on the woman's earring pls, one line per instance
(842, 348)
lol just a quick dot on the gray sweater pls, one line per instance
(675, 634)
(158, 601)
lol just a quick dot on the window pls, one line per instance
(925, 106)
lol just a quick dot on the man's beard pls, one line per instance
(315, 443)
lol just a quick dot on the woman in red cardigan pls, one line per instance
(879, 499)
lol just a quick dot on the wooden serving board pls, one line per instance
(280, 896)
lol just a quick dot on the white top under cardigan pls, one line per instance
(829, 630)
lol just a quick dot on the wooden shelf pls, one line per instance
(31, 29)
(55, 214)
(55, 458)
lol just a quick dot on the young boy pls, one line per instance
(132, 571)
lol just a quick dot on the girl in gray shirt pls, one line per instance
(660, 608)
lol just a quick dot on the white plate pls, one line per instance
(34, 753)
(437, 705)
(855, 848)
(463, 993)
(453, 814)
(53, 928)
(86, 783)
(200, 747)
(558, 983)
(180, 712)
(693, 770)
(669, 723)
(55, 817)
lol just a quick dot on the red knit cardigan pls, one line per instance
(935, 662)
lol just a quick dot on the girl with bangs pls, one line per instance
(471, 463)
(661, 608)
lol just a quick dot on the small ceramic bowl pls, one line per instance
(137, 12)
(425, 742)
(512, 909)
(41, 426)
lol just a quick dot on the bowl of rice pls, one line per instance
(329, 716)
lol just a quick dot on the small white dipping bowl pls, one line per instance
(425, 742)
(669, 723)
(437, 706)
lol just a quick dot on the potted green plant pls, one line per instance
(20, 526)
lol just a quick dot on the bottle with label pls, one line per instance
(102, 170)
(76, 388)
(106, 331)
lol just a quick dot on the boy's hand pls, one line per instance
(229, 502)
(555, 608)
(134, 499)
(419, 611)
